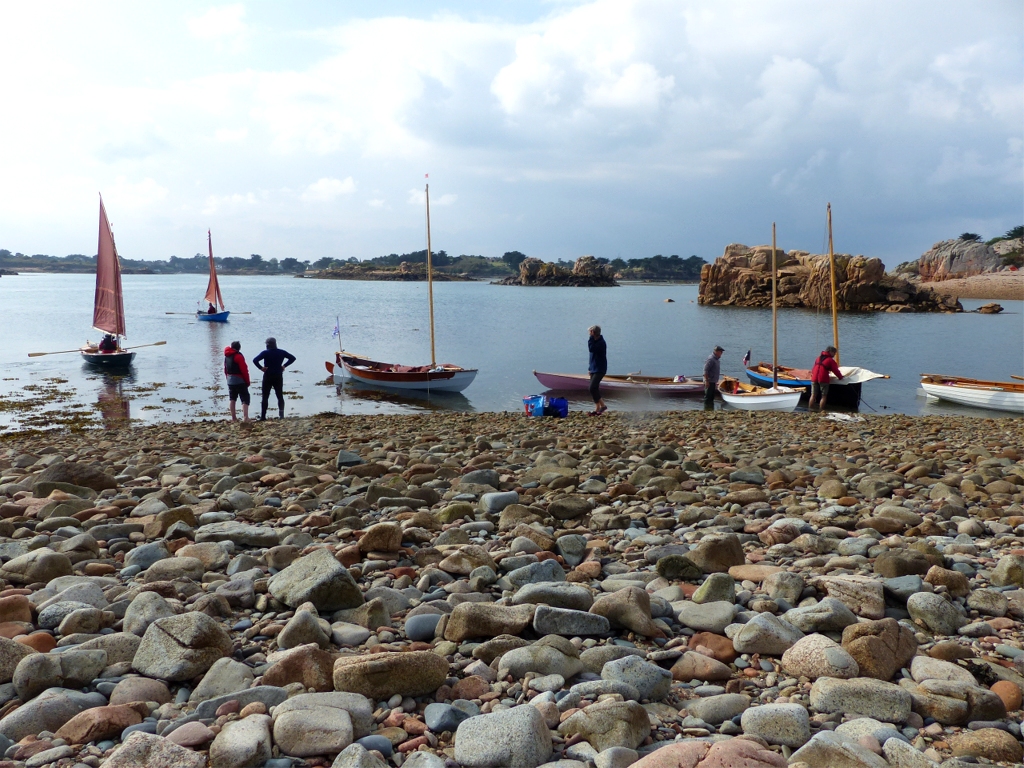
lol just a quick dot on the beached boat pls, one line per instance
(631, 382)
(108, 303)
(213, 296)
(845, 392)
(977, 393)
(445, 377)
(748, 397)
(442, 378)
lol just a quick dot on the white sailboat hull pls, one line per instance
(976, 397)
(779, 400)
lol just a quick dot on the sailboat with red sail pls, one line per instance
(213, 296)
(108, 304)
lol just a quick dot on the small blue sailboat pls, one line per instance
(213, 297)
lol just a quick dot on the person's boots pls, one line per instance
(281, 411)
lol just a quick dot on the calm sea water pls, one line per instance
(506, 332)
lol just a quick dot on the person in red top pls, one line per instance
(825, 364)
(237, 374)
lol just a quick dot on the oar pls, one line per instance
(1014, 376)
(203, 313)
(140, 346)
(62, 352)
(69, 351)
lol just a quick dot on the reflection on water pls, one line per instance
(363, 393)
(112, 402)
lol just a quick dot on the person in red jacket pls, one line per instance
(825, 364)
(237, 374)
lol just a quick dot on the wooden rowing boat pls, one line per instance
(976, 393)
(750, 398)
(440, 378)
(631, 382)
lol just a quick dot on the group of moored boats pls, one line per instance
(772, 386)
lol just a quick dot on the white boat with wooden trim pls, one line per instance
(444, 377)
(438, 378)
(747, 397)
(977, 393)
(631, 382)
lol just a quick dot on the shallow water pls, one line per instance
(506, 332)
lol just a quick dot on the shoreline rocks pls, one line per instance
(442, 591)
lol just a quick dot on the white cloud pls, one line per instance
(375, 203)
(419, 197)
(230, 136)
(219, 204)
(127, 194)
(222, 23)
(326, 190)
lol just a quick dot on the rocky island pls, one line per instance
(742, 277)
(969, 268)
(587, 272)
(404, 272)
(489, 591)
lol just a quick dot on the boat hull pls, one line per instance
(379, 374)
(976, 395)
(843, 395)
(751, 398)
(218, 317)
(108, 359)
(579, 382)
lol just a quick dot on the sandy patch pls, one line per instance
(1006, 285)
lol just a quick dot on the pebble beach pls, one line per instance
(489, 591)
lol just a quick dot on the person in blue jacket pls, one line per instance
(272, 361)
(598, 367)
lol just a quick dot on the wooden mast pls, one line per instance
(775, 323)
(832, 271)
(430, 284)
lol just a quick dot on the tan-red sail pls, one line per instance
(213, 288)
(108, 306)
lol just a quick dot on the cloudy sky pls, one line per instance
(618, 128)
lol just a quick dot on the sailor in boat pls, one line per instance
(598, 367)
(272, 361)
(237, 374)
(108, 344)
(712, 372)
(211, 310)
(825, 364)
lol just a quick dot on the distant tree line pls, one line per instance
(653, 268)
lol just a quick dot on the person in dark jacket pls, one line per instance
(712, 372)
(598, 367)
(825, 364)
(237, 374)
(272, 361)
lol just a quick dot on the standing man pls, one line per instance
(598, 367)
(712, 371)
(237, 374)
(825, 364)
(274, 361)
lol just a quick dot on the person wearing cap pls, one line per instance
(598, 367)
(272, 361)
(712, 371)
(823, 366)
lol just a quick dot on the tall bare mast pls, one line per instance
(775, 322)
(430, 284)
(832, 271)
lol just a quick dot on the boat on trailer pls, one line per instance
(631, 382)
(108, 303)
(213, 296)
(976, 393)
